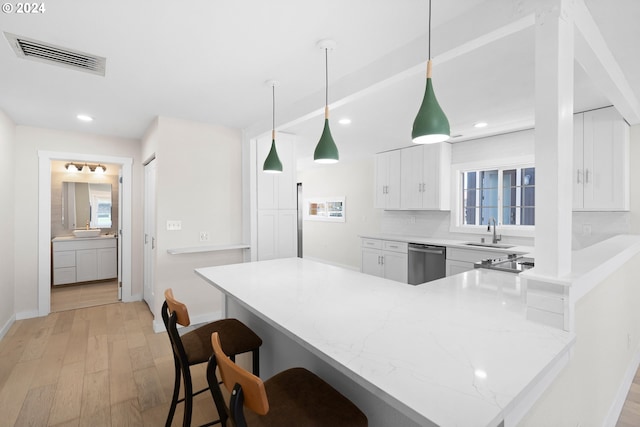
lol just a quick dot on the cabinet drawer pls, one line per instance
(64, 259)
(372, 243)
(62, 276)
(401, 247)
(550, 303)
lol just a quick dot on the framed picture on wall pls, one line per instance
(324, 209)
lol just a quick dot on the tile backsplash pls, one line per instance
(588, 227)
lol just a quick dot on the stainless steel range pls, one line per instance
(511, 263)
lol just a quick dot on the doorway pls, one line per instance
(44, 222)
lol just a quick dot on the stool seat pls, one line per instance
(295, 397)
(298, 397)
(236, 338)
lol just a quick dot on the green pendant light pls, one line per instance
(431, 124)
(272, 163)
(326, 151)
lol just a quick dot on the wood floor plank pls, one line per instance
(15, 390)
(141, 357)
(36, 345)
(51, 362)
(150, 390)
(67, 401)
(36, 407)
(97, 353)
(96, 406)
(127, 414)
(122, 383)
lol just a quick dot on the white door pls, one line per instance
(119, 256)
(149, 232)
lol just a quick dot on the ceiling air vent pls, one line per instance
(56, 55)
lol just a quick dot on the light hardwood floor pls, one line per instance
(80, 296)
(104, 366)
(97, 366)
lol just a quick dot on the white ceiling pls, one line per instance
(207, 60)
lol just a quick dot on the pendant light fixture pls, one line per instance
(326, 151)
(431, 124)
(272, 163)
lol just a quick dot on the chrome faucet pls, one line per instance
(496, 237)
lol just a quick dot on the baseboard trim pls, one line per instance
(7, 326)
(623, 390)
(27, 314)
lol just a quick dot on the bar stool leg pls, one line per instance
(176, 392)
(256, 362)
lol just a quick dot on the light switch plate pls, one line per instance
(174, 225)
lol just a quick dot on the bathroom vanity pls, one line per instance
(84, 259)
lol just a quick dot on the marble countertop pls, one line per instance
(462, 244)
(455, 351)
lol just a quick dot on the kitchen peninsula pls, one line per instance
(455, 351)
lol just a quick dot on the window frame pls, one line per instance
(457, 170)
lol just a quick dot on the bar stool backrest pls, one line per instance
(176, 306)
(232, 375)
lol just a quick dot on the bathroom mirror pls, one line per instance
(85, 203)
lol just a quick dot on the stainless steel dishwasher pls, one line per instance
(426, 263)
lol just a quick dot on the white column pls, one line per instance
(554, 59)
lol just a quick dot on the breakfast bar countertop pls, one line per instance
(455, 351)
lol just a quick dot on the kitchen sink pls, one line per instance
(490, 245)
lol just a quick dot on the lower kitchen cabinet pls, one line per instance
(84, 260)
(385, 258)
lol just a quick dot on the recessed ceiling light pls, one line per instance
(344, 121)
(480, 124)
(479, 373)
(84, 118)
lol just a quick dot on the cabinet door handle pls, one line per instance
(586, 176)
(153, 243)
(382, 260)
(578, 176)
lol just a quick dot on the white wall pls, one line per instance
(338, 242)
(30, 140)
(199, 183)
(7, 215)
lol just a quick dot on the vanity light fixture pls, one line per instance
(272, 163)
(326, 151)
(431, 124)
(79, 167)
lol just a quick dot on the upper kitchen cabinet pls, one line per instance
(388, 180)
(277, 190)
(425, 177)
(601, 161)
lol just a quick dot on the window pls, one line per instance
(508, 195)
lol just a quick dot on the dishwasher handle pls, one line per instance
(427, 249)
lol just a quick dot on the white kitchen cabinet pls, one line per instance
(601, 161)
(460, 260)
(425, 177)
(384, 258)
(83, 260)
(387, 190)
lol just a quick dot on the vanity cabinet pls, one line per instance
(387, 192)
(83, 260)
(425, 177)
(600, 161)
(385, 258)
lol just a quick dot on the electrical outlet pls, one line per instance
(174, 225)
(204, 236)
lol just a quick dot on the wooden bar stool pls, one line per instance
(293, 398)
(194, 347)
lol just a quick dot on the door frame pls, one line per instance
(44, 220)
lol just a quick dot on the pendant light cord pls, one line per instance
(326, 80)
(429, 29)
(273, 127)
